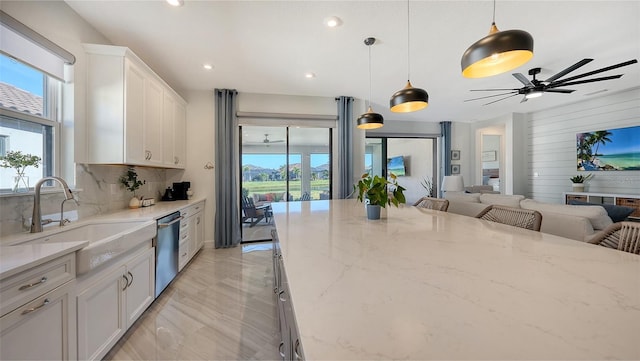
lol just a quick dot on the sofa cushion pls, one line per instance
(462, 197)
(616, 213)
(512, 201)
(596, 214)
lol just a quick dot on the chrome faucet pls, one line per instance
(36, 218)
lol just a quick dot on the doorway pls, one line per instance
(281, 164)
(413, 160)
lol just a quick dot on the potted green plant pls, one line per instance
(131, 183)
(19, 161)
(374, 189)
(579, 180)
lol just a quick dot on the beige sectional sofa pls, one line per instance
(576, 222)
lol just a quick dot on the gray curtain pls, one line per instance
(345, 146)
(227, 218)
(445, 131)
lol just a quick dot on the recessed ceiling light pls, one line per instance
(207, 66)
(333, 21)
(309, 75)
(175, 2)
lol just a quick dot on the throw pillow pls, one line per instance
(597, 215)
(616, 213)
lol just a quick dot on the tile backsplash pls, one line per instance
(99, 192)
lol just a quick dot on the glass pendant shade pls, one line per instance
(409, 99)
(370, 120)
(496, 53)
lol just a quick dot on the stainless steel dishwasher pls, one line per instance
(167, 242)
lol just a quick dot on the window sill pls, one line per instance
(31, 193)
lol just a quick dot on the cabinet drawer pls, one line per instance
(24, 287)
(575, 198)
(183, 255)
(630, 202)
(193, 209)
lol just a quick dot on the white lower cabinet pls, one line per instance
(191, 233)
(43, 329)
(110, 302)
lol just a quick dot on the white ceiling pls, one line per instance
(267, 46)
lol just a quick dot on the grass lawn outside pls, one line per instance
(279, 187)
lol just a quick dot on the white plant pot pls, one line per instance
(134, 203)
(578, 187)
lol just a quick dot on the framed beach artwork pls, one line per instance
(609, 150)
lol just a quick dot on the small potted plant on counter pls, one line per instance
(19, 161)
(131, 182)
(374, 190)
(579, 181)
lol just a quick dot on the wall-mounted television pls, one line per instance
(396, 166)
(609, 150)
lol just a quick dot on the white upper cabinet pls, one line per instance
(132, 114)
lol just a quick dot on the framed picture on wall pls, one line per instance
(455, 155)
(455, 169)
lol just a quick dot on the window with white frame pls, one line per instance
(32, 70)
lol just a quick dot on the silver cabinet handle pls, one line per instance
(198, 220)
(42, 280)
(165, 225)
(281, 296)
(126, 282)
(29, 310)
(281, 350)
(130, 282)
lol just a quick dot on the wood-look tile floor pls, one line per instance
(220, 307)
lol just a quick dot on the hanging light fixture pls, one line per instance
(409, 99)
(498, 52)
(370, 120)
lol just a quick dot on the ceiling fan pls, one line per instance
(534, 88)
(266, 140)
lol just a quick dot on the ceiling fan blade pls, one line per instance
(616, 66)
(491, 90)
(488, 96)
(495, 101)
(523, 79)
(569, 70)
(584, 81)
(564, 91)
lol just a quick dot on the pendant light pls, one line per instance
(498, 52)
(370, 120)
(409, 99)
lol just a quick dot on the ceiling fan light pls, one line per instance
(496, 53)
(533, 94)
(409, 99)
(370, 120)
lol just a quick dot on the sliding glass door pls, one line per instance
(281, 164)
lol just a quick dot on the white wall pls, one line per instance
(551, 143)
(417, 154)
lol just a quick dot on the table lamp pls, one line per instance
(452, 183)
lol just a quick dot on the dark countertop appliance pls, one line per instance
(180, 190)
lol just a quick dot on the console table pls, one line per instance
(627, 200)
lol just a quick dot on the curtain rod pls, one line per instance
(286, 116)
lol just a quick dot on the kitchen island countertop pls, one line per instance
(423, 284)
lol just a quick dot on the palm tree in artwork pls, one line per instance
(598, 138)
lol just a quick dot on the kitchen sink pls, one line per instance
(107, 240)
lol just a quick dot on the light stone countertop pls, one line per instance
(422, 284)
(15, 257)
